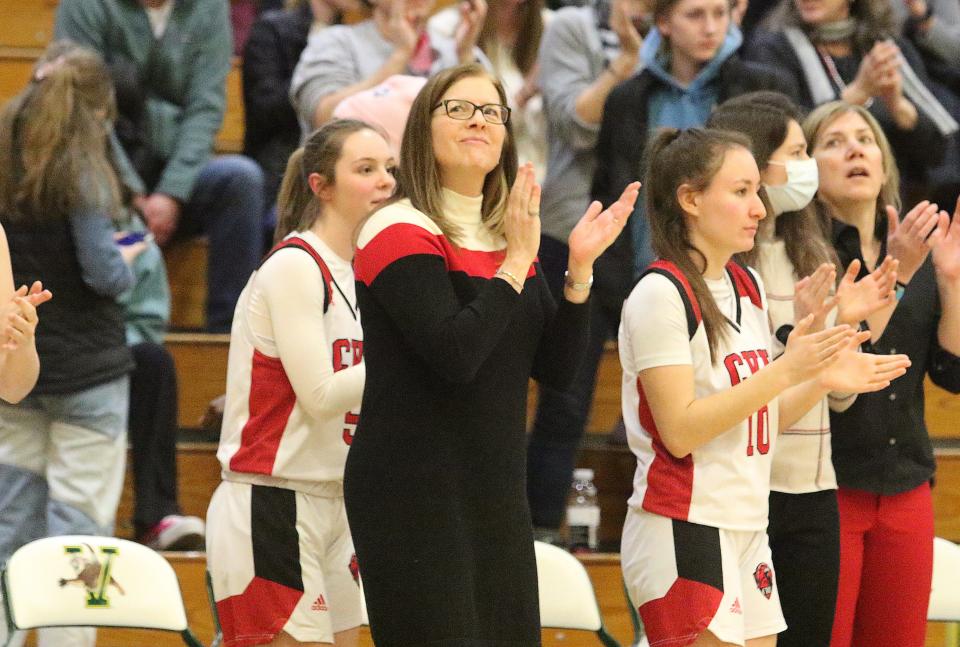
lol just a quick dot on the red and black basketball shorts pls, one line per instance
(281, 560)
(685, 578)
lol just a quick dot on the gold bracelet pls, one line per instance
(573, 285)
(511, 278)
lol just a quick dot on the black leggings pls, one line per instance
(805, 541)
(153, 435)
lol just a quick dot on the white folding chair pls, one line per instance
(945, 592)
(87, 581)
(567, 598)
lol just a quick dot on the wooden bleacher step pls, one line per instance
(186, 261)
(201, 364)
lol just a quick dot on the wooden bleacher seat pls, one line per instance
(27, 23)
(201, 362)
(186, 260)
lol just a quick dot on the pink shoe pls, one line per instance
(176, 532)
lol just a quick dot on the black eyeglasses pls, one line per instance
(461, 109)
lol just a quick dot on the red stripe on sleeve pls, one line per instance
(391, 244)
(401, 240)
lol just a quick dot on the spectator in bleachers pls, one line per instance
(837, 49)
(934, 28)
(176, 57)
(271, 131)
(691, 63)
(152, 426)
(584, 53)
(510, 39)
(881, 451)
(243, 13)
(63, 448)
(341, 60)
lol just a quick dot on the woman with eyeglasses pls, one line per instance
(456, 318)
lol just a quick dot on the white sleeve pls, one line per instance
(292, 287)
(655, 324)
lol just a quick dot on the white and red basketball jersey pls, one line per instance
(724, 483)
(294, 375)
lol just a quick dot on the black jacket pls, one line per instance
(271, 129)
(880, 444)
(620, 152)
(80, 339)
(915, 150)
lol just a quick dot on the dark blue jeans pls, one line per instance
(227, 204)
(562, 415)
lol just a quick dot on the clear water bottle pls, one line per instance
(583, 512)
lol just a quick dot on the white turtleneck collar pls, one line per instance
(466, 212)
(463, 210)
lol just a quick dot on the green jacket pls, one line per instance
(146, 305)
(184, 73)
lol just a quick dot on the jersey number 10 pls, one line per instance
(760, 421)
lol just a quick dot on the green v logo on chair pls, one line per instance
(93, 573)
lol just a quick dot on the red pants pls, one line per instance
(886, 565)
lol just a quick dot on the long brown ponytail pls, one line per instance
(297, 206)
(686, 157)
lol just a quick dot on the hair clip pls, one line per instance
(44, 70)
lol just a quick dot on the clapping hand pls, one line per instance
(879, 73)
(599, 227)
(397, 29)
(522, 222)
(857, 300)
(946, 251)
(621, 22)
(809, 353)
(911, 240)
(811, 296)
(855, 372)
(19, 316)
(472, 15)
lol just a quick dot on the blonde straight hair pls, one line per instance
(826, 114)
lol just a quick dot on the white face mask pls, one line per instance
(802, 183)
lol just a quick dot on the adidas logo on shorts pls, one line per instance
(735, 607)
(319, 604)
